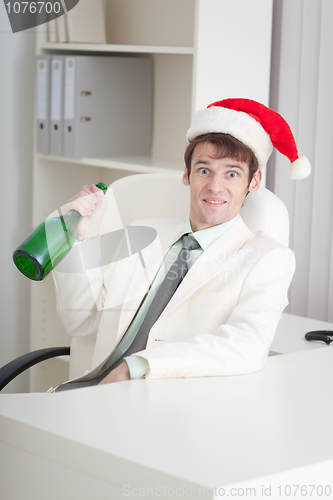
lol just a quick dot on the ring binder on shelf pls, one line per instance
(62, 33)
(86, 23)
(56, 111)
(43, 64)
(107, 106)
(52, 34)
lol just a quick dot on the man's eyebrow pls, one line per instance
(235, 165)
(201, 161)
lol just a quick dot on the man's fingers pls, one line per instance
(91, 204)
(84, 202)
(119, 374)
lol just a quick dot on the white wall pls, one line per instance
(241, 63)
(16, 149)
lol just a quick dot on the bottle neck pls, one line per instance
(71, 220)
(73, 215)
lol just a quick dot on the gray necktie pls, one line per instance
(168, 287)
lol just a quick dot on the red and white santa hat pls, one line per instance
(258, 127)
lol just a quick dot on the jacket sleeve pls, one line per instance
(241, 344)
(79, 293)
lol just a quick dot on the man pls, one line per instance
(222, 316)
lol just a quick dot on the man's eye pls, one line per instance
(232, 174)
(204, 171)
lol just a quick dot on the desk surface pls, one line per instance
(290, 333)
(204, 431)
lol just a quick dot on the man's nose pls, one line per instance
(216, 184)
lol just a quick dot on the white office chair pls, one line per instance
(145, 196)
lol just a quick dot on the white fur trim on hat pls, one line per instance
(299, 169)
(236, 123)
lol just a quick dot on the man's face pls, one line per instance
(218, 187)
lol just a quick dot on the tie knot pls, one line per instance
(190, 243)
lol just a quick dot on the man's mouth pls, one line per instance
(215, 202)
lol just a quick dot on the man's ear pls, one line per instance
(185, 178)
(255, 182)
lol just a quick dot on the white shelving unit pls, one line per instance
(133, 164)
(202, 51)
(117, 48)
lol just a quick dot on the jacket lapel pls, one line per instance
(152, 260)
(210, 263)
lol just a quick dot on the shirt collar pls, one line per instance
(206, 237)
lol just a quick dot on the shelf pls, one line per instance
(136, 49)
(135, 164)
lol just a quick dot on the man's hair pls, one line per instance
(226, 146)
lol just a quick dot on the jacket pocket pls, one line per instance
(211, 299)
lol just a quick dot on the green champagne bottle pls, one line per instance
(48, 244)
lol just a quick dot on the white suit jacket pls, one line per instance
(220, 321)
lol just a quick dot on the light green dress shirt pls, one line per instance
(139, 366)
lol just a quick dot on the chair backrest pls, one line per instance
(146, 196)
(264, 211)
(164, 195)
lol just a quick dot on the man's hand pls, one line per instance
(89, 202)
(119, 374)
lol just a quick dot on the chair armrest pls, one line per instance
(9, 371)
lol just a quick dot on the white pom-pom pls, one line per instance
(299, 169)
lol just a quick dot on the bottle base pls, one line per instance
(28, 265)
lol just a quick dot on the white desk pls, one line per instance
(206, 432)
(290, 333)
